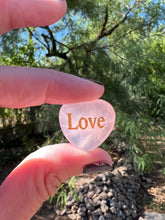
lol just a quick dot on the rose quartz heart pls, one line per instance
(86, 125)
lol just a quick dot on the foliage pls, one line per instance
(62, 192)
(120, 43)
(163, 172)
(72, 190)
(61, 196)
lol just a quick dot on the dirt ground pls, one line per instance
(156, 191)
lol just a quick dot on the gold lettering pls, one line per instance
(80, 123)
(83, 122)
(101, 120)
(92, 123)
(70, 122)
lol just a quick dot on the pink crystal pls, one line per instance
(86, 125)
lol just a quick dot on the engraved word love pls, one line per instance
(86, 125)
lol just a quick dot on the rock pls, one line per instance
(127, 212)
(153, 216)
(85, 199)
(124, 207)
(90, 194)
(90, 206)
(99, 184)
(101, 217)
(134, 214)
(104, 208)
(128, 218)
(107, 214)
(103, 176)
(81, 218)
(90, 218)
(120, 171)
(96, 201)
(148, 180)
(81, 189)
(113, 210)
(91, 186)
(72, 216)
(103, 196)
(112, 202)
(70, 203)
(105, 189)
(108, 183)
(103, 202)
(120, 214)
(82, 210)
(109, 195)
(120, 162)
(74, 208)
(97, 190)
(95, 217)
(97, 212)
(98, 178)
(63, 211)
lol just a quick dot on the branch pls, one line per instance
(116, 54)
(51, 37)
(104, 24)
(104, 33)
(124, 35)
(47, 42)
(35, 37)
(114, 43)
(52, 51)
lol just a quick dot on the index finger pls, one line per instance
(23, 87)
(17, 14)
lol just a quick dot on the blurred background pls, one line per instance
(120, 43)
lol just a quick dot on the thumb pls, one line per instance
(39, 175)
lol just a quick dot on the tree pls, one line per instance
(120, 43)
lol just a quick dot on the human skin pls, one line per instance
(39, 174)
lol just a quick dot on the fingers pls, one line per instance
(17, 14)
(39, 175)
(22, 87)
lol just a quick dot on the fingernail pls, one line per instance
(95, 81)
(97, 167)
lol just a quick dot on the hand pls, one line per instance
(38, 176)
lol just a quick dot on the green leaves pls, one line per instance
(61, 193)
(120, 43)
(144, 163)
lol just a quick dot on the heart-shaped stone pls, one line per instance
(86, 125)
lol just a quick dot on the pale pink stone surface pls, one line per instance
(86, 125)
